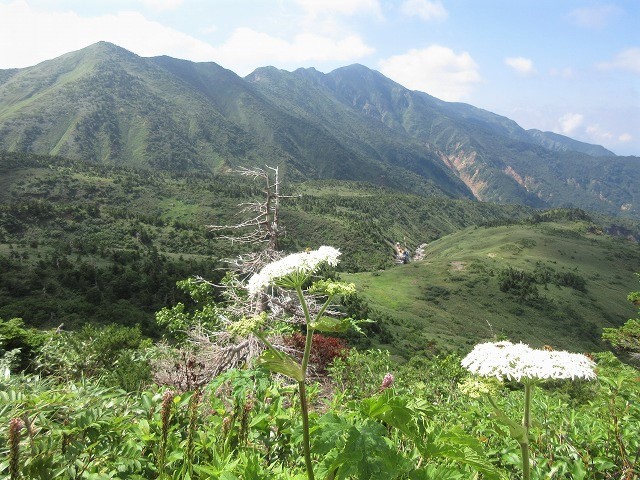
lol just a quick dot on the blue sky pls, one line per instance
(567, 66)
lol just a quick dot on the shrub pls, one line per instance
(26, 342)
(324, 350)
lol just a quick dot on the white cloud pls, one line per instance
(162, 5)
(436, 70)
(569, 122)
(625, 137)
(248, 49)
(425, 9)
(23, 25)
(628, 59)
(598, 134)
(242, 52)
(594, 17)
(524, 66)
(340, 7)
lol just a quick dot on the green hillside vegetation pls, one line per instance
(549, 283)
(96, 245)
(104, 104)
(83, 242)
(115, 362)
(359, 415)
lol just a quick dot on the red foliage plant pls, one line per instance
(324, 350)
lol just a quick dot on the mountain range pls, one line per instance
(105, 104)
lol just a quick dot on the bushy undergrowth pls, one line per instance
(427, 424)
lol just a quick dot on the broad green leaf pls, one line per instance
(331, 325)
(328, 433)
(392, 410)
(280, 362)
(375, 406)
(436, 472)
(467, 456)
(228, 476)
(367, 454)
(456, 447)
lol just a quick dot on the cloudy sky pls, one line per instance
(567, 66)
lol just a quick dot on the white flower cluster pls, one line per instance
(297, 263)
(519, 361)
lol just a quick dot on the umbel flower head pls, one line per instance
(521, 362)
(292, 270)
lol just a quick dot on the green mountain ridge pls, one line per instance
(497, 159)
(107, 105)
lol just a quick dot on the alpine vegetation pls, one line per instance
(293, 272)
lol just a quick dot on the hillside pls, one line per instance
(89, 243)
(103, 104)
(497, 159)
(82, 242)
(550, 282)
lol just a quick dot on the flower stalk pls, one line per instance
(292, 272)
(15, 427)
(194, 402)
(526, 424)
(302, 387)
(165, 415)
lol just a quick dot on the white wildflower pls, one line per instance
(297, 264)
(521, 362)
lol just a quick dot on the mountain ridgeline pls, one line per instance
(104, 104)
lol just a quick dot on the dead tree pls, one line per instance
(261, 225)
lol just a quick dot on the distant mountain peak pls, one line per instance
(105, 104)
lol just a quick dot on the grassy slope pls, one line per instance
(452, 297)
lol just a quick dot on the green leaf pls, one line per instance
(461, 448)
(280, 362)
(368, 454)
(436, 472)
(329, 433)
(331, 325)
(228, 476)
(392, 410)
(468, 456)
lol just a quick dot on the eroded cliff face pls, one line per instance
(529, 183)
(513, 174)
(468, 169)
